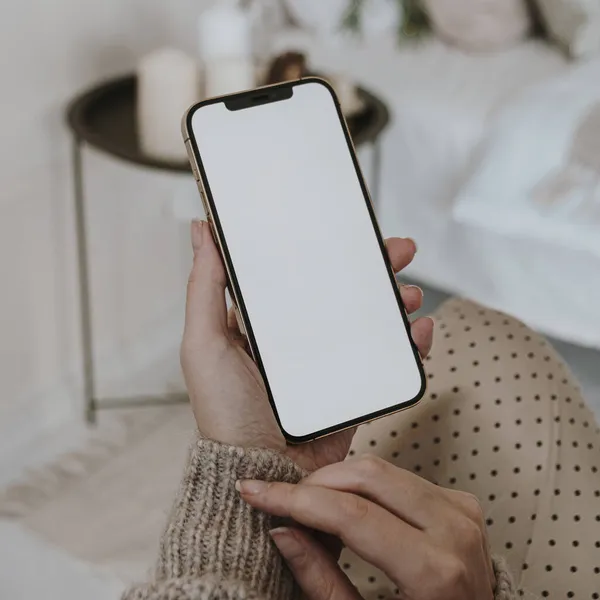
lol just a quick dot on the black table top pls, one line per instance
(105, 117)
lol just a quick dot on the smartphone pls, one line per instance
(307, 266)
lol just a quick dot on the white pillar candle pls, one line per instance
(228, 75)
(168, 84)
(224, 30)
(225, 45)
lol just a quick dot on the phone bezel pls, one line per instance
(236, 292)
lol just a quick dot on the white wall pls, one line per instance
(50, 50)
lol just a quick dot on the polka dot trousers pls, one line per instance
(504, 420)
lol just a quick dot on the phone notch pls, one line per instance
(260, 96)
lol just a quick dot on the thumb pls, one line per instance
(206, 311)
(314, 569)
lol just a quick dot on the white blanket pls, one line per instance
(537, 175)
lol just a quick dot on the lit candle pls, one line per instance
(225, 45)
(168, 84)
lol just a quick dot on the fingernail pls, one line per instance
(197, 229)
(414, 244)
(414, 287)
(251, 487)
(279, 532)
(285, 541)
(432, 320)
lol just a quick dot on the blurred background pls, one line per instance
(477, 124)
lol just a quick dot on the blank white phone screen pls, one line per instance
(317, 291)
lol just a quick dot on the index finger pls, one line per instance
(406, 495)
(374, 534)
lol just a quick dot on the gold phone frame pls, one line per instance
(282, 91)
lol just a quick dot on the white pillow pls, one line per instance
(479, 26)
(537, 175)
(573, 23)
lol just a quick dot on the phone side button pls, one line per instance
(212, 228)
(192, 160)
(203, 198)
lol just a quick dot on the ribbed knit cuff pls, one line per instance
(204, 588)
(505, 587)
(211, 531)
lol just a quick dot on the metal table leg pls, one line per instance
(92, 403)
(84, 286)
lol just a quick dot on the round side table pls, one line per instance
(104, 118)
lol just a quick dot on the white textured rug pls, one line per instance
(106, 504)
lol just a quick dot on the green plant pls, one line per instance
(413, 24)
(415, 20)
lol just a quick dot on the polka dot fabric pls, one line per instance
(504, 420)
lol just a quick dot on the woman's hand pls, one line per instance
(430, 541)
(226, 389)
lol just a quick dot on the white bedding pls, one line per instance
(442, 102)
(538, 174)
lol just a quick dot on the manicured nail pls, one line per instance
(285, 541)
(197, 229)
(251, 487)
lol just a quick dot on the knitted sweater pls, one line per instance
(215, 547)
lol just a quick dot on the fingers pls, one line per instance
(422, 334)
(412, 297)
(205, 305)
(314, 569)
(401, 252)
(369, 530)
(409, 497)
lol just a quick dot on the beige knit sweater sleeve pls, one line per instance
(215, 547)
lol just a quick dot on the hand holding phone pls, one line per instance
(226, 389)
(306, 264)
